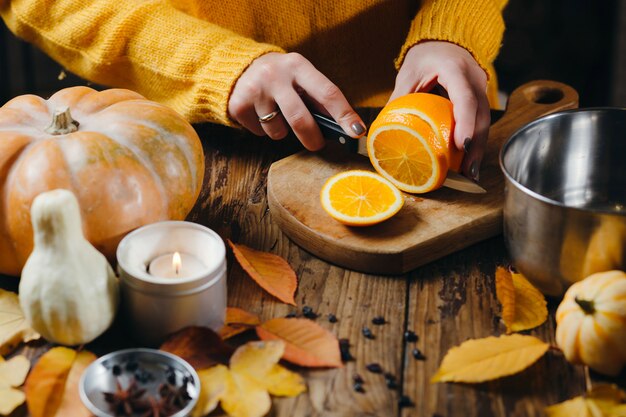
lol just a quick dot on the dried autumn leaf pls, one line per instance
(481, 360)
(200, 346)
(603, 400)
(52, 387)
(12, 374)
(14, 328)
(523, 306)
(244, 389)
(238, 321)
(307, 343)
(270, 271)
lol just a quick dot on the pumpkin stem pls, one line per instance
(586, 305)
(62, 123)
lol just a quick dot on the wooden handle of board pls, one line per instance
(527, 103)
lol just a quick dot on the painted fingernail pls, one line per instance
(474, 170)
(358, 128)
(466, 144)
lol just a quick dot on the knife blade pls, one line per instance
(333, 131)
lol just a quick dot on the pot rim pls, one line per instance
(535, 194)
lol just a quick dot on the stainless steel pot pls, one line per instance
(565, 196)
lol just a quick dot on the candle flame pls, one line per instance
(177, 263)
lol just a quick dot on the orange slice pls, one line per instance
(360, 198)
(410, 142)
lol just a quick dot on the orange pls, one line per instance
(360, 198)
(410, 142)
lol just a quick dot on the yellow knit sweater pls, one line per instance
(188, 54)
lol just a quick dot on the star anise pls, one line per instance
(126, 401)
(175, 396)
(160, 408)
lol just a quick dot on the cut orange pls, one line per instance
(410, 142)
(360, 198)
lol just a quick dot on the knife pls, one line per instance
(332, 130)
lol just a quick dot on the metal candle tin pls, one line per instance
(155, 307)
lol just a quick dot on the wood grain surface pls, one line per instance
(445, 302)
(429, 226)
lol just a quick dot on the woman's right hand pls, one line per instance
(283, 82)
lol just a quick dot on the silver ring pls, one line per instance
(269, 116)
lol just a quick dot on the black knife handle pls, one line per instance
(332, 131)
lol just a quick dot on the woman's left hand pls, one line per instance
(430, 63)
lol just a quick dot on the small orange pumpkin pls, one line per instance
(128, 160)
(591, 322)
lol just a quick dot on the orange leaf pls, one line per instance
(505, 292)
(52, 385)
(306, 342)
(270, 271)
(238, 321)
(523, 305)
(200, 346)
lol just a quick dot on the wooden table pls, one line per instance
(444, 303)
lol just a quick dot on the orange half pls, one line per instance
(360, 198)
(410, 142)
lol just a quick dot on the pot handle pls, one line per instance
(527, 103)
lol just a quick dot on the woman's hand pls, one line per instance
(451, 66)
(282, 82)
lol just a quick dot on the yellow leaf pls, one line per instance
(243, 390)
(213, 384)
(52, 386)
(284, 383)
(523, 306)
(14, 328)
(603, 400)
(10, 399)
(490, 358)
(247, 399)
(12, 374)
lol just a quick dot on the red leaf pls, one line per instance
(306, 342)
(200, 346)
(270, 271)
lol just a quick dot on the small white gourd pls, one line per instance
(68, 291)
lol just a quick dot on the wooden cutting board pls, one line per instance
(429, 226)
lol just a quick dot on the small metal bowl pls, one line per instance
(565, 196)
(149, 367)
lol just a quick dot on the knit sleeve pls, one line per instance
(476, 25)
(144, 45)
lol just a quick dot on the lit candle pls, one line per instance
(177, 265)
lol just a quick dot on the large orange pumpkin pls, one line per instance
(128, 160)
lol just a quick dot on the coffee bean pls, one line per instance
(357, 378)
(309, 313)
(367, 333)
(405, 401)
(410, 336)
(390, 380)
(344, 350)
(332, 318)
(417, 354)
(290, 315)
(374, 368)
(378, 320)
(358, 387)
